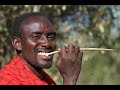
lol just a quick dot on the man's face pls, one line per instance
(38, 35)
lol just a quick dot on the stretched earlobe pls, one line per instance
(16, 43)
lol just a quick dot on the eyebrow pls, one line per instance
(37, 33)
(42, 33)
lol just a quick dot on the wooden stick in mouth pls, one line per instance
(85, 49)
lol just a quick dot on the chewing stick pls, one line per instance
(52, 53)
(86, 49)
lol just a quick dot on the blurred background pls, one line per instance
(95, 26)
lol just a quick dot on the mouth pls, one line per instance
(44, 55)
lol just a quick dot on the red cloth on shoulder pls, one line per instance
(18, 73)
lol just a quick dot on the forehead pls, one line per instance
(37, 23)
(35, 19)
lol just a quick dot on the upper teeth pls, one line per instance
(43, 53)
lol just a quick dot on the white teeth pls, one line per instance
(43, 54)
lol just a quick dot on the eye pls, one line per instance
(35, 37)
(52, 36)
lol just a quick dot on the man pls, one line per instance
(32, 35)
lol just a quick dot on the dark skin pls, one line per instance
(38, 35)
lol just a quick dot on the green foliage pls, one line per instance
(84, 25)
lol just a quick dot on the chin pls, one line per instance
(45, 65)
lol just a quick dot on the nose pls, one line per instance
(44, 41)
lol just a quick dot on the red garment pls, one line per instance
(18, 73)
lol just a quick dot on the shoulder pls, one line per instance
(8, 74)
(7, 79)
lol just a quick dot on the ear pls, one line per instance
(16, 42)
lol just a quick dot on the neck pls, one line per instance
(36, 71)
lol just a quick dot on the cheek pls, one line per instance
(28, 47)
(53, 44)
